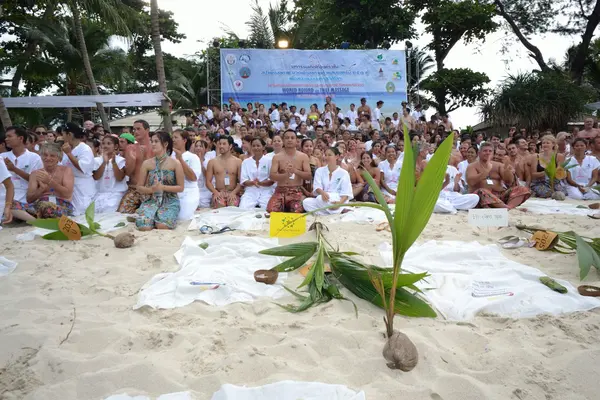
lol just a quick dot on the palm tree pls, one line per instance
(187, 92)
(261, 34)
(109, 11)
(160, 66)
(418, 64)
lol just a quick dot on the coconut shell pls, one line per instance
(558, 196)
(124, 240)
(400, 352)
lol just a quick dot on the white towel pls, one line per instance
(288, 390)
(6, 266)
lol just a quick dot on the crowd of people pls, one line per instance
(280, 159)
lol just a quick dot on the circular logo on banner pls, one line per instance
(238, 85)
(397, 75)
(230, 59)
(245, 72)
(245, 58)
(390, 87)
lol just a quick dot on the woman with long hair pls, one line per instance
(540, 183)
(390, 169)
(308, 148)
(277, 144)
(162, 179)
(582, 173)
(332, 186)
(462, 168)
(189, 199)
(255, 179)
(205, 195)
(109, 174)
(368, 164)
(79, 157)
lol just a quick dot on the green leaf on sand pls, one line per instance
(291, 250)
(587, 257)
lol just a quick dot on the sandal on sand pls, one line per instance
(590, 291)
(594, 216)
(513, 242)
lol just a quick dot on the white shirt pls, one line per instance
(352, 115)
(27, 162)
(201, 177)
(395, 122)
(274, 116)
(4, 175)
(251, 172)
(452, 172)
(108, 183)
(582, 174)
(302, 117)
(368, 145)
(336, 186)
(462, 168)
(376, 114)
(236, 117)
(209, 156)
(84, 181)
(209, 114)
(391, 176)
(192, 161)
(416, 114)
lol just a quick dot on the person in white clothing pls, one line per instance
(109, 174)
(7, 194)
(20, 162)
(80, 158)
(450, 199)
(582, 173)
(258, 187)
(376, 117)
(390, 169)
(205, 194)
(189, 199)
(352, 114)
(331, 185)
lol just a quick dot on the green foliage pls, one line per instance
(543, 100)
(457, 87)
(52, 224)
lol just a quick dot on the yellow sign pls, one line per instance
(287, 225)
(544, 240)
(69, 227)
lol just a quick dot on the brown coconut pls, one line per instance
(560, 196)
(124, 240)
(400, 352)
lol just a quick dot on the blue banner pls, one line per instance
(304, 77)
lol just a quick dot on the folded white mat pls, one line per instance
(542, 206)
(288, 390)
(229, 262)
(170, 396)
(468, 278)
(233, 217)
(108, 223)
(6, 266)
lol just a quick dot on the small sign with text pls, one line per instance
(489, 217)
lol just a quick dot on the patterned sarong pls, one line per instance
(224, 201)
(286, 199)
(488, 198)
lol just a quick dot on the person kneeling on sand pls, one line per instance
(332, 186)
(290, 168)
(50, 190)
(225, 169)
(255, 177)
(494, 182)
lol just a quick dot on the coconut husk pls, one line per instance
(124, 240)
(268, 276)
(400, 352)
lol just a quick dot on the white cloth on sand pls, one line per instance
(469, 278)
(6, 266)
(233, 217)
(109, 222)
(228, 262)
(170, 396)
(540, 206)
(288, 390)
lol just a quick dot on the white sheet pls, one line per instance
(6, 266)
(170, 396)
(288, 390)
(228, 260)
(233, 217)
(107, 221)
(541, 206)
(461, 270)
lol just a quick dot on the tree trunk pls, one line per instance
(4, 115)
(86, 62)
(160, 66)
(578, 66)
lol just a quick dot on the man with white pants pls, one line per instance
(451, 199)
(258, 187)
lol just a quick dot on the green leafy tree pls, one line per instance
(456, 87)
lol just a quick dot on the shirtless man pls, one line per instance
(589, 132)
(290, 168)
(225, 168)
(364, 109)
(135, 155)
(486, 178)
(517, 162)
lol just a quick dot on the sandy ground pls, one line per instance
(112, 349)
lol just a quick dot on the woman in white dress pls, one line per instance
(189, 199)
(332, 186)
(462, 168)
(109, 174)
(80, 158)
(205, 195)
(390, 169)
(582, 173)
(258, 188)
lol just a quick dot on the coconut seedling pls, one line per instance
(559, 172)
(66, 229)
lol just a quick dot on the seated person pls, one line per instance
(223, 175)
(494, 183)
(332, 186)
(7, 194)
(451, 199)
(255, 177)
(582, 173)
(109, 174)
(50, 190)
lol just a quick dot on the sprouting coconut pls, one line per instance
(124, 240)
(400, 352)
(558, 196)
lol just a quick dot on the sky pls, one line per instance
(485, 57)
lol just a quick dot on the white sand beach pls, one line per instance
(92, 287)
